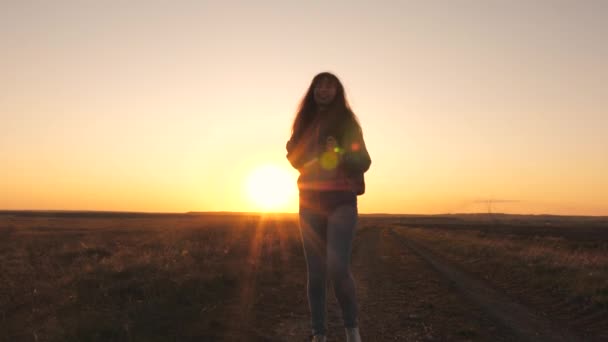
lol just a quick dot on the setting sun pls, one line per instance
(270, 188)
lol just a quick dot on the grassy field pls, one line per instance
(187, 277)
(573, 269)
(108, 278)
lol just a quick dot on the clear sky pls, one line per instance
(466, 106)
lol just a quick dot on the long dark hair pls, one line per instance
(341, 113)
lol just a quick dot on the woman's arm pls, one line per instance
(294, 155)
(356, 159)
(299, 154)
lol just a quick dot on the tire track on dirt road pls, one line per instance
(523, 322)
(401, 298)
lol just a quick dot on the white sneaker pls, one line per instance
(352, 335)
(318, 338)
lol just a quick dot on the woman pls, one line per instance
(327, 148)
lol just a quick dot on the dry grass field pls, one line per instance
(94, 276)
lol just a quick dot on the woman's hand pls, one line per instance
(331, 157)
(331, 144)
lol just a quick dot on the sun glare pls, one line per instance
(271, 188)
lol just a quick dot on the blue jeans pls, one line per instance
(327, 238)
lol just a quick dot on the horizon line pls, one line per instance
(195, 212)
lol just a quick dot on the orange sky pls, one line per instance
(164, 106)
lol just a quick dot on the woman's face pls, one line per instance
(325, 91)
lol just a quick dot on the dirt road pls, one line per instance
(405, 292)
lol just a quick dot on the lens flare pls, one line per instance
(329, 160)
